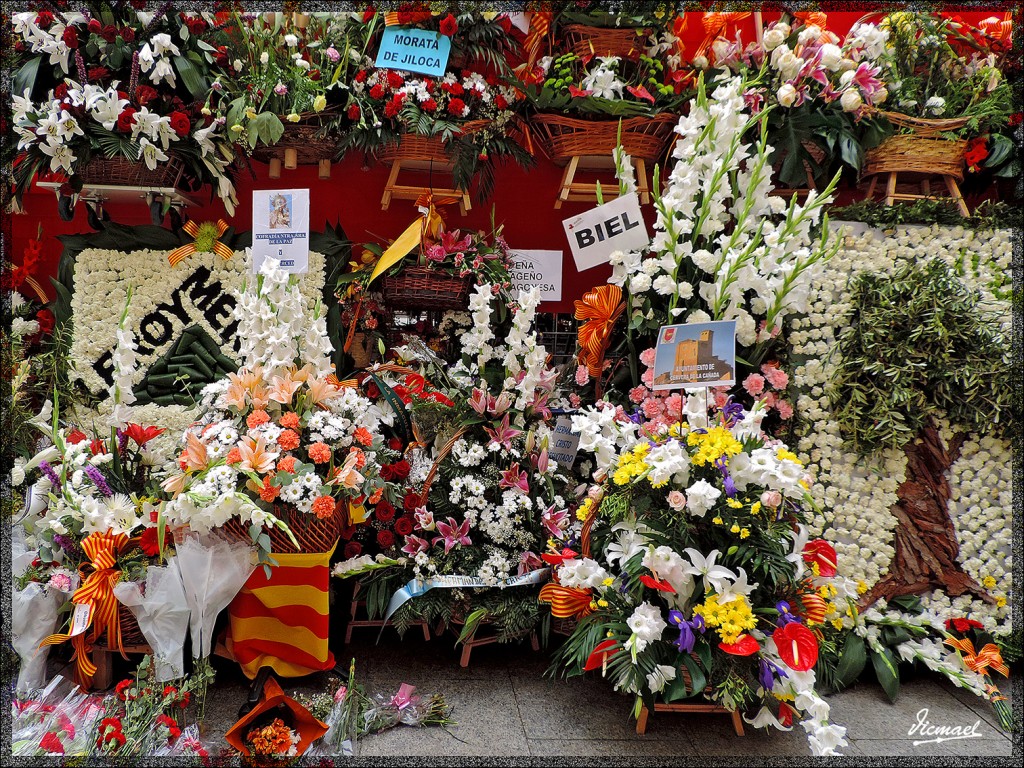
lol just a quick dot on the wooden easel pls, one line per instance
(354, 620)
(891, 195)
(737, 719)
(392, 189)
(473, 641)
(572, 191)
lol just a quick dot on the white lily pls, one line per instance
(738, 588)
(60, 156)
(715, 576)
(151, 154)
(764, 718)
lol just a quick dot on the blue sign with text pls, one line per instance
(414, 50)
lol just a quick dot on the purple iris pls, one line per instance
(98, 480)
(768, 673)
(732, 412)
(687, 629)
(636, 417)
(51, 474)
(785, 613)
(730, 486)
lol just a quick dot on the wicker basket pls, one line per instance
(310, 147)
(312, 533)
(426, 288)
(928, 155)
(642, 137)
(413, 146)
(604, 41)
(122, 172)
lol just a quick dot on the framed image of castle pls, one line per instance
(696, 355)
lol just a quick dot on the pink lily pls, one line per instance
(436, 253)
(830, 94)
(503, 435)
(514, 478)
(451, 242)
(478, 401)
(540, 405)
(865, 77)
(554, 522)
(424, 519)
(500, 405)
(414, 545)
(528, 561)
(541, 462)
(452, 534)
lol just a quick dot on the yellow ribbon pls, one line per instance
(429, 225)
(988, 656)
(180, 254)
(99, 575)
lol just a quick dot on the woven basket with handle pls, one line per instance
(122, 172)
(604, 41)
(922, 150)
(413, 146)
(312, 533)
(426, 288)
(564, 137)
(308, 141)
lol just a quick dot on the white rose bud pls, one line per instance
(786, 95)
(700, 62)
(809, 35)
(237, 64)
(851, 100)
(879, 96)
(773, 38)
(291, 40)
(831, 56)
(783, 27)
(264, 58)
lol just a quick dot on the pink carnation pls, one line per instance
(721, 398)
(647, 357)
(637, 394)
(777, 377)
(575, 400)
(60, 581)
(785, 410)
(769, 400)
(754, 384)
(648, 377)
(582, 376)
(674, 405)
(652, 408)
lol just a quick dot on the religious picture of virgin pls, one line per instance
(280, 212)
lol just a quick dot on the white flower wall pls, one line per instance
(855, 496)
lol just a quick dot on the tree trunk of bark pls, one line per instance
(927, 551)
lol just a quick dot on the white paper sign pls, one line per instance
(80, 619)
(540, 268)
(564, 443)
(280, 228)
(615, 226)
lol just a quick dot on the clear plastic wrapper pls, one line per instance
(56, 720)
(33, 619)
(162, 611)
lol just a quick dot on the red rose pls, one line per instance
(95, 26)
(70, 37)
(353, 111)
(384, 511)
(377, 92)
(145, 94)
(148, 542)
(314, 74)
(45, 320)
(98, 73)
(180, 123)
(404, 17)
(50, 743)
(352, 549)
(395, 443)
(127, 34)
(449, 26)
(411, 501)
(109, 33)
(404, 525)
(44, 19)
(196, 25)
(400, 469)
(456, 107)
(385, 538)
(125, 120)
(500, 101)
(395, 80)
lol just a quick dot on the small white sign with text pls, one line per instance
(616, 226)
(537, 268)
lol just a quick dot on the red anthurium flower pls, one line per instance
(746, 645)
(823, 554)
(579, 93)
(142, 435)
(604, 650)
(786, 713)
(640, 92)
(653, 583)
(97, 447)
(797, 646)
(553, 559)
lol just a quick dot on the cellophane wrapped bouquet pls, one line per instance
(281, 437)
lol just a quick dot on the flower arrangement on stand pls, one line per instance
(696, 584)
(119, 100)
(466, 118)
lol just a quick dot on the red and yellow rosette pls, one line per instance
(981, 661)
(599, 308)
(566, 602)
(715, 24)
(206, 237)
(998, 29)
(283, 621)
(99, 575)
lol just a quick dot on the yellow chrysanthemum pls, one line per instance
(730, 620)
(713, 445)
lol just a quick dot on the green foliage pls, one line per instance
(919, 344)
(988, 215)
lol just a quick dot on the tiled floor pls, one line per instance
(505, 705)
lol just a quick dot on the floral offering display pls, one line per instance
(278, 438)
(125, 83)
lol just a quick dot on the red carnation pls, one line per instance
(456, 107)
(500, 102)
(180, 123)
(149, 543)
(392, 108)
(377, 92)
(44, 19)
(128, 34)
(120, 689)
(125, 120)
(45, 319)
(395, 443)
(50, 743)
(449, 26)
(962, 624)
(429, 105)
(360, 76)
(353, 111)
(455, 89)
(384, 511)
(145, 94)
(404, 525)
(395, 80)
(61, 91)
(385, 538)
(98, 73)
(70, 37)
(368, 14)
(352, 549)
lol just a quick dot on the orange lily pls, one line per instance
(255, 456)
(346, 475)
(195, 453)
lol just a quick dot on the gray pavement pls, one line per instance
(505, 706)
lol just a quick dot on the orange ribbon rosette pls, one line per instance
(715, 23)
(600, 308)
(1000, 29)
(99, 575)
(980, 661)
(207, 238)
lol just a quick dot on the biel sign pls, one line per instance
(537, 268)
(616, 226)
(414, 50)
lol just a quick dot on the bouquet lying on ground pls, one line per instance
(701, 582)
(281, 437)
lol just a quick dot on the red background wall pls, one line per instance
(523, 200)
